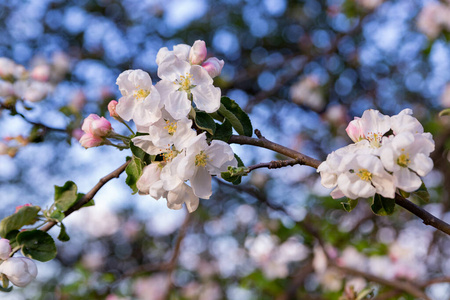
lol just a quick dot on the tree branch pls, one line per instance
(302, 159)
(90, 195)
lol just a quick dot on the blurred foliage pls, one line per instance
(352, 57)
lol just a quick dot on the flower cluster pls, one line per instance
(19, 270)
(33, 85)
(388, 153)
(163, 115)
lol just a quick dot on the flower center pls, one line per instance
(201, 159)
(364, 174)
(171, 127)
(141, 94)
(374, 139)
(403, 160)
(185, 82)
(168, 156)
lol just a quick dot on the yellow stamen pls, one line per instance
(141, 94)
(364, 174)
(185, 82)
(403, 160)
(171, 127)
(201, 159)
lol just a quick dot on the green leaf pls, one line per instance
(421, 194)
(63, 236)
(65, 196)
(234, 174)
(383, 206)
(37, 244)
(223, 131)
(57, 215)
(237, 117)
(134, 171)
(350, 204)
(444, 112)
(205, 122)
(26, 215)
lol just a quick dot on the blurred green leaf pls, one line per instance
(383, 206)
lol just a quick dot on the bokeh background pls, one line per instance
(302, 70)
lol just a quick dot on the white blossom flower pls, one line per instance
(31, 90)
(180, 51)
(201, 161)
(150, 182)
(182, 83)
(182, 194)
(371, 126)
(364, 177)
(407, 156)
(141, 101)
(19, 270)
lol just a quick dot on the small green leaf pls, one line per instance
(63, 236)
(350, 204)
(65, 196)
(57, 215)
(223, 131)
(234, 174)
(383, 206)
(422, 194)
(205, 122)
(26, 215)
(237, 117)
(134, 171)
(37, 244)
(444, 112)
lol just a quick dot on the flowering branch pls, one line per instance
(261, 141)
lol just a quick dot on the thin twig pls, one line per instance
(90, 195)
(276, 164)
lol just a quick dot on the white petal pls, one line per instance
(178, 105)
(201, 183)
(407, 180)
(206, 97)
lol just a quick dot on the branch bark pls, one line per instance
(302, 159)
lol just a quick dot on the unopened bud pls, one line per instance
(355, 130)
(213, 66)
(88, 140)
(96, 125)
(112, 108)
(198, 52)
(19, 270)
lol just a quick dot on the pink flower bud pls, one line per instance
(88, 140)
(198, 52)
(355, 130)
(213, 66)
(5, 249)
(19, 270)
(112, 108)
(96, 126)
(20, 206)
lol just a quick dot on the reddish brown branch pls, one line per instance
(428, 219)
